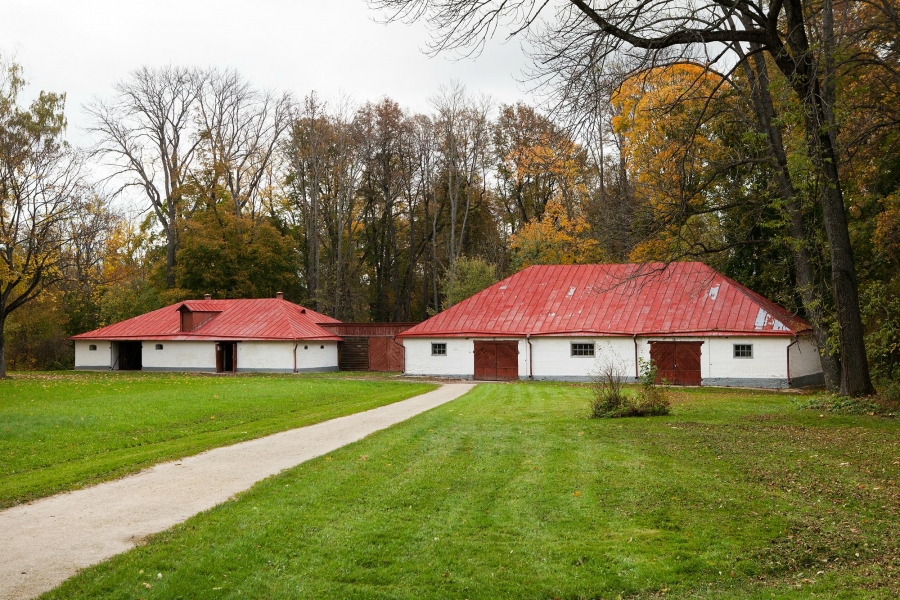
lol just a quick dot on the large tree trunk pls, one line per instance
(3, 346)
(855, 379)
(170, 256)
(803, 261)
(801, 72)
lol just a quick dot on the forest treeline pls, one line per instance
(368, 211)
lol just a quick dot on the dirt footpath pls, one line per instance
(47, 541)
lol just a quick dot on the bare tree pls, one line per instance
(240, 131)
(345, 174)
(308, 156)
(323, 157)
(582, 37)
(464, 144)
(148, 134)
(41, 188)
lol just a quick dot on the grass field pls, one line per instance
(511, 492)
(62, 431)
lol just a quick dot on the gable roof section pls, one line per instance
(687, 298)
(257, 319)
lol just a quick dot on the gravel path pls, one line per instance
(47, 541)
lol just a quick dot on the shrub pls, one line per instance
(653, 399)
(608, 397)
(890, 394)
(609, 400)
(886, 403)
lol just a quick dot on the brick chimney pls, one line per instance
(207, 297)
(279, 295)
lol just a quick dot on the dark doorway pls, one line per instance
(677, 363)
(130, 356)
(226, 357)
(353, 353)
(496, 361)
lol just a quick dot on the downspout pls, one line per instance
(530, 357)
(296, 342)
(790, 383)
(637, 369)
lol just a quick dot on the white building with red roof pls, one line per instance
(264, 335)
(567, 321)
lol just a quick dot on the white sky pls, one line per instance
(334, 47)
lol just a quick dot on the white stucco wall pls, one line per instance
(178, 356)
(92, 359)
(278, 357)
(317, 356)
(263, 356)
(552, 359)
(805, 359)
(767, 366)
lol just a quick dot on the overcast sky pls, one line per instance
(332, 46)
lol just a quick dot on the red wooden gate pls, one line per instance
(496, 361)
(677, 363)
(385, 354)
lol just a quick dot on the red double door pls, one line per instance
(678, 363)
(496, 361)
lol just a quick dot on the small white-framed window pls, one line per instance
(159, 346)
(92, 347)
(743, 350)
(439, 349)
(582, 349)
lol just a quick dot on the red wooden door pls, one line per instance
(397, 354)
(378, 354)
(507, 361)
(496, 361)
(485, 361)
(677, 363)
(662, 355)
(385, 354)
(687, 362)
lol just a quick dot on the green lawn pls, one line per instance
(511, 492)
(62, 431)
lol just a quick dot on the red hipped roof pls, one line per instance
(258, 319)
(686, 298)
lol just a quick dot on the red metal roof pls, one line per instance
(258, 319)
(687, 298)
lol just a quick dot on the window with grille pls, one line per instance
(159, 346)
(439, 349)
(743, 350)
(92, 347)
(582, 349)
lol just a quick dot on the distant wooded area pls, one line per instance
(763, 140)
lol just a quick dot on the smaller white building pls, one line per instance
(569, 322)
(268, 335)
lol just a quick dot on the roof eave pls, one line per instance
(707, 332)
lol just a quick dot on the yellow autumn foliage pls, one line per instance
(671, 144)
(555, 239)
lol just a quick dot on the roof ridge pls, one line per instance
(286, 316)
